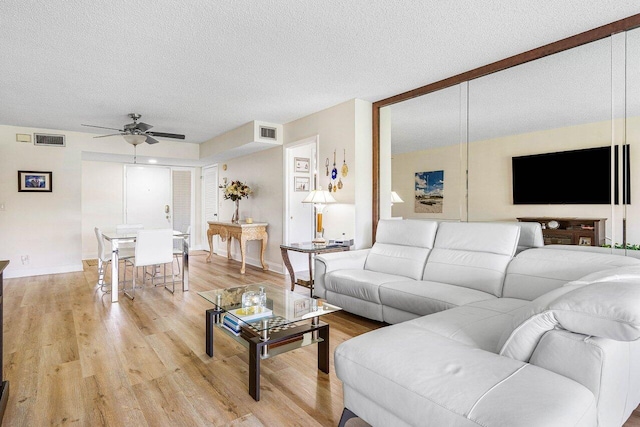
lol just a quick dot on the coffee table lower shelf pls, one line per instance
(272, 344)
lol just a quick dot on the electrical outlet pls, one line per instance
(25, 259)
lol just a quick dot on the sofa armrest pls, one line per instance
(332, 261)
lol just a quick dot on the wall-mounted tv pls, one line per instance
(567, 177)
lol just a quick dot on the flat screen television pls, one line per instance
(566, 177)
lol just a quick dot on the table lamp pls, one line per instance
(395, 198)
(319, 198)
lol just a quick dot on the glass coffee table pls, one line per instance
(294, 322)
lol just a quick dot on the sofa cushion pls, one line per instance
(423, 297)
(402, 247)
(362, 284)
(478, 324)
(407, 261)
(422, 377)
(472, 255)
(535, 272)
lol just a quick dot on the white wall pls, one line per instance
(263, 173)
(49, 227)
(56, 229)
(44, 226)
(342, 127)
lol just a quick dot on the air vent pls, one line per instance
(50, 140)
(268, 133)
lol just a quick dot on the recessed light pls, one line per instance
(153, 161)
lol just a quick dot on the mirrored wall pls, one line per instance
(548, 140)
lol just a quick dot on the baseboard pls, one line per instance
(255, 262)
(26, 272)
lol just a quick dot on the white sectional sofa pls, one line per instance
(548, 337)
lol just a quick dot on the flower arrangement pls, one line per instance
(236, 191)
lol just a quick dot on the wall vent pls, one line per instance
(50, 140)
(268, 133)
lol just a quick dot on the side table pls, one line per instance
(311, 249)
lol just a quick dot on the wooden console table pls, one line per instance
(242, 232)
(571, 231)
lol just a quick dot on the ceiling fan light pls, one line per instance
(135, 139)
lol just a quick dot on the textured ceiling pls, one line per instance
(205, 67)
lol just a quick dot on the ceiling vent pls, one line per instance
(49, 140)
(268, 133)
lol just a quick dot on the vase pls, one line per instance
(236, 215)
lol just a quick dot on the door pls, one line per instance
(299, 218)
(148, 196)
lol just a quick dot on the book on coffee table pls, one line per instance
(248, 314)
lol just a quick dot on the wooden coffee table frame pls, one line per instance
(257, 344)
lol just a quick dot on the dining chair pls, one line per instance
(104, 258)
(128, 228)
(177, 251)
(152, 247)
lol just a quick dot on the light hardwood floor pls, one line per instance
(73, 357)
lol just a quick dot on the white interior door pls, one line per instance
(299, 221)
(148, 198)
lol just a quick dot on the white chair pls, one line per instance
(104, 258)
(177, 251)
(128, 228)
(153, 247)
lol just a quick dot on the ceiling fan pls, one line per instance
(136, 133)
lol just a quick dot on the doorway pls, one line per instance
(299, 217)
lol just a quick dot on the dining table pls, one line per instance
(116, 239)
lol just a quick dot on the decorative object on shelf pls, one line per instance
(327, 166)
(334, 171)
(32, 181)
(236, 191)
(319, 198)
(395, 198)
(301, 164)
(429, 192)
(339, 184)
(584, 241)
(553, 224)
(345, 168)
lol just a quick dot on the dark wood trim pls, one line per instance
(580, 39)
(375, 204)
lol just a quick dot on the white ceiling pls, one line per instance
(205, 67)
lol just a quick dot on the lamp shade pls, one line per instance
(135, 139)
(319, 197)
(395, 198)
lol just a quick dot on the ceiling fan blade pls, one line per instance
(151, 140)
(102, 127)
(166, 135)
(143, 126)
(104, 136)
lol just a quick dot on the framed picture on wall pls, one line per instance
(35, 181)
(301, 183)
(301, 164)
